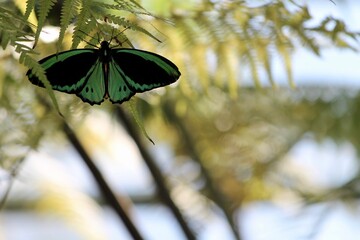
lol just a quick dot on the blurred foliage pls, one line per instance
(242, 142)
(229, 142)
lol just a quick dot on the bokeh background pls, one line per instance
(258, 140)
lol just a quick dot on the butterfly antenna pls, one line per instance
(112, 33)
(120, 43)
(89, 43)
(98, 36)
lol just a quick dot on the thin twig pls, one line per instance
(216, 195)
(104, 187)
(13, 174)
(156, 173)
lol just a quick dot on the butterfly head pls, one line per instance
(105, 51)
(104, 44)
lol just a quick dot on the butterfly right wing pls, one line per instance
(76, 71)
(133, 71)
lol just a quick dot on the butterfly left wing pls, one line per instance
(132, 71)
(94, 91)
(76, 71)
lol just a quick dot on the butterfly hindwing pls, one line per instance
(94, 91)
(144, 70)
(118, 88)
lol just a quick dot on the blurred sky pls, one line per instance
(334, 67)
(327, 163)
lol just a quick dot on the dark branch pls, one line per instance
(156, 173)
(216, 195)
(104, 187)
(12, 178)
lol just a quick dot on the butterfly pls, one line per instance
(113, 73)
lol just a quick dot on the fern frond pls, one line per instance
(128, 6)
(69, 10)
(94, 14)
(253, 69)
(284, 52)
(262, 50)
(83, 24)
(4, 39)
(88, 32)
(21, 48)
(133, 3)
(30, 5)
(45, 7)
(127, 24)
(200, 64)
(12, 21)
(138, 121)
(38, 70)
(11, 26)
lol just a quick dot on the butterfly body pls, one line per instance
(96, 74)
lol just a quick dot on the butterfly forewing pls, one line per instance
(66, 71)
(144, 70)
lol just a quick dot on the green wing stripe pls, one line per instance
(118, 89)
(93, 91)
(144, 70)
(64, 70)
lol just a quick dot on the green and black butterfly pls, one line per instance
(114, 73)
